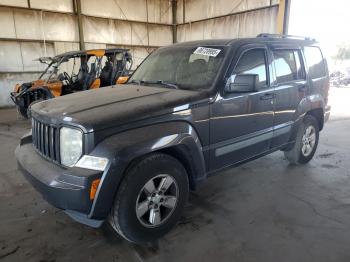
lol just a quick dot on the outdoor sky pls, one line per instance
(327, 21)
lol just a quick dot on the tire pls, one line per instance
(26, 111)
(23, 111)
(136, 193)
(300, 152)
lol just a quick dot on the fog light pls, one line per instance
(92, 162)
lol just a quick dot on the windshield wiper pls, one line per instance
(161, 82)
(167, 84)
(158, 82)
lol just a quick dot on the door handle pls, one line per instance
(267, 96)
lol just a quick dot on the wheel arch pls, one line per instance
(311, 105)
(177, 139)
(179, 153)
(318, 114)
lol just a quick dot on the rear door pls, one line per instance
(290, 89)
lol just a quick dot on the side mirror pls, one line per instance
(242, 83)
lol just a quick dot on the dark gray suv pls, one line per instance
(130, 154)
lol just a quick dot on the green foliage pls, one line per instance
(343, 53)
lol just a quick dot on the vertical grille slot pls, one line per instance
(38, 135)
(35, 133)
(41, 138)
(45, 139)
(52, 142)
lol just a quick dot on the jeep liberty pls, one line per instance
(129, 154)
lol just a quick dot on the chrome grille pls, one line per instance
(46, 139)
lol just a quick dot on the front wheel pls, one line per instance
(306, 142)
(150, 199)
(29, 110)
(23, 111)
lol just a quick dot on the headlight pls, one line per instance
(71, 145)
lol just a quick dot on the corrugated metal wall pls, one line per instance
(34, 28)
(203, 19)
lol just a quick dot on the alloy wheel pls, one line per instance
(157, 200)
(308, 141)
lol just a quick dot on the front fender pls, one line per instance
(23, 92)
(123, 148)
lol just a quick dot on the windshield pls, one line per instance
(65, 65)
(57, 67)
(182, 67)
(51, 70)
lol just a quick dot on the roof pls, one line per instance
(214, 42)
(97, 52)
(262, 38)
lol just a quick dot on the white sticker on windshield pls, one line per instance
(207, 51)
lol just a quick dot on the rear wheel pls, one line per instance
(306, 142)
(150, 199)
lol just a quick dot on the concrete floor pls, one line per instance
(265, 210)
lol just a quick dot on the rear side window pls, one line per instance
(288, 66)
(253, 62)
(314, 60)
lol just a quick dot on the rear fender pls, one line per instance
(125, 148)
(306, 105)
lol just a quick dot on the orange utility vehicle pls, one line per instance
(72, 72)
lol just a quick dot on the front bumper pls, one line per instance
(64, 188)
(16, 99)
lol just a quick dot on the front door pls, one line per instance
(241, 123)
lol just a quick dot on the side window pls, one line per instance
(252, 62)
(314, 60)
(300, 66)
(288, 65)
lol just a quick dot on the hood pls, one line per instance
(113, 106)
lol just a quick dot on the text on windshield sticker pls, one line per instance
(207, 51)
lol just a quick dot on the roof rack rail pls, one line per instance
(285, 36)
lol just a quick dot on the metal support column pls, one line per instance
(286, 16)
(174, 22)
(283, 16)
(77, 10)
